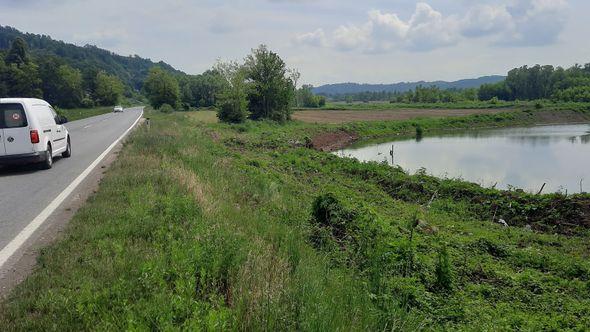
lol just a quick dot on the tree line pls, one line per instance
(524, 83)
(51, 78)
(542, 82)
(131, 70)
(262, 87)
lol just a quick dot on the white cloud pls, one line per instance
(315, 38)
(483, 20)
(518, 23)
(425, 30)
(389, 23)
(352, 36)
(536, 22)
(430, 30)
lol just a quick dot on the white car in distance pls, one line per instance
(118, 109)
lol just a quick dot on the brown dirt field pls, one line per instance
(337, 117)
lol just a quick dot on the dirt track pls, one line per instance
(324, 116)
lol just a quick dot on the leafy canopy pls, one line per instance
(272, 90)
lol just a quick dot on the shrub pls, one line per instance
(419, 131)
(166, 108)
(232, 112)
(444, 276)
(232, 102)
(353, 236)
(87, 102)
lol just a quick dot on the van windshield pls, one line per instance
(12, 116)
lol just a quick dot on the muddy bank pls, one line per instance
(332, 141)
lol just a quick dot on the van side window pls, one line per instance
(54, 114)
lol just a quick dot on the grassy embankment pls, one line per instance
(519, 105)
(74, 114)
(244, 227)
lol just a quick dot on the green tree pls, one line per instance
(18, 52)
(201, 90)
(496, 90)
(161, 88)
(232, 102)
(61, 84)
(3, 87)
(272, 90)
(306, 98)
(69, 82)
(108, 89)
(22, 81)
(19, 76)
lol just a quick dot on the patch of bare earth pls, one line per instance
(335, 140)
(549, 117)
(337, 117)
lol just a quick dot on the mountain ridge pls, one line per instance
(350, 87)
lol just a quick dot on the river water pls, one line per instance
(524, 158)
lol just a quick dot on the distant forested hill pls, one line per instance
(351, 88)
(132, 70)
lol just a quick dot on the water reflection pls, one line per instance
(521, 157)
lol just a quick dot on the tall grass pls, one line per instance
(192, 241)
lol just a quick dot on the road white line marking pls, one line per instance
(87, 126)
(26, 233)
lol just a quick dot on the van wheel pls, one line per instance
(48, 162)
(68, 152)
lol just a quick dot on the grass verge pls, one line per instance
(242, 227)
(74, 114)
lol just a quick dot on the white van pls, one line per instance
(31, 132)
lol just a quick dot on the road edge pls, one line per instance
(34, 234)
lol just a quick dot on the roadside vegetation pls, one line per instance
(246, 227)
(73, 114)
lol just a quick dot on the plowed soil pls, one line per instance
(336, 117)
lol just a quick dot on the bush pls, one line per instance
(87, 102)
(444, 276)
(419, 131)
(166, 108)
(352, 236)
(231, 112)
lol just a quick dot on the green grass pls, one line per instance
(241, 227)
(74, 114)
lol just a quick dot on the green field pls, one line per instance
(518, 105)
(244, 227)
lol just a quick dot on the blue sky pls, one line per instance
(326, 40)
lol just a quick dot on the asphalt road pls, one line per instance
(26, 191)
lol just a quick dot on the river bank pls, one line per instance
(341, 136)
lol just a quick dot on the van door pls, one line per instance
(15, 129)
(59, 136)
(2, 147)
